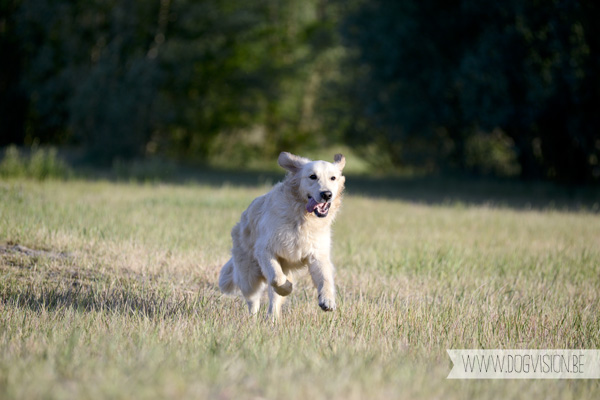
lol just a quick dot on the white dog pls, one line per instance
(287, 229)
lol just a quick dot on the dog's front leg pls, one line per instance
(271, 269)
(321, 272)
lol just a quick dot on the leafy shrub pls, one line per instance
(13, 164)
(491, 154)
(41, 164)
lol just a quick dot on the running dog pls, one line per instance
(286, 230)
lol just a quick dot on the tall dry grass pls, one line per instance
(109, 291)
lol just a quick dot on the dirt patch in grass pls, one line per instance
(15, 248)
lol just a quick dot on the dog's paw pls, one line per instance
(285, 289)
(327, 304)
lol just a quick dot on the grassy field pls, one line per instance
(109, 290)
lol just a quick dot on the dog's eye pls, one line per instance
(313, 177)
(333, 178)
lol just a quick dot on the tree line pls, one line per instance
(509, 88)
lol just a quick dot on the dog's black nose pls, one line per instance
(326, 195)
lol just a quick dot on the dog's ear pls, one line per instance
(340, 161)
(291, 162)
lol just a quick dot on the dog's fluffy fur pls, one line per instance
(285, 230)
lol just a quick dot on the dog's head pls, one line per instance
(320, 183)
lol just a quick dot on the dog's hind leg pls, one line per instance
(275, 301)
(248, 278)
(251, 283)
(253, 299)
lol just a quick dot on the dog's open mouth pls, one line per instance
(320, 209)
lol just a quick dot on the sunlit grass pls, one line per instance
(113, 294)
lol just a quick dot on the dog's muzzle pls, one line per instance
(319, 209)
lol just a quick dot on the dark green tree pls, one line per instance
(127, 78)
(88, 74)
(436, 73)
(13, 100)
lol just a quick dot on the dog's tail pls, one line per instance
(226, 277)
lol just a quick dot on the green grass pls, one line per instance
(113, 294)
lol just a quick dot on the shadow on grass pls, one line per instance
(147, 303)
(434, 190)
(467, 191)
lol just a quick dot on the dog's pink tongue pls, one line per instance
(312, 204)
